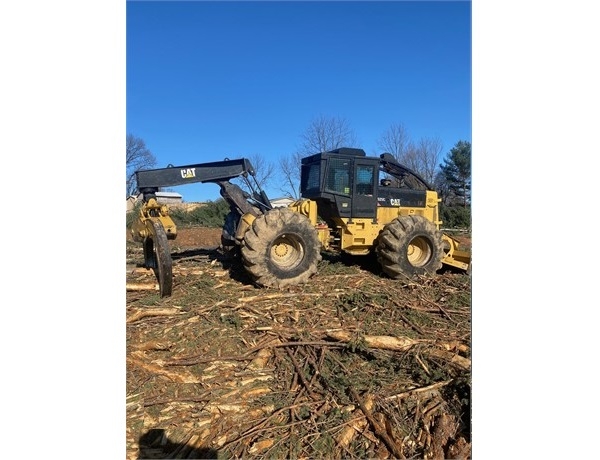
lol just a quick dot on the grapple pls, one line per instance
(154, 228)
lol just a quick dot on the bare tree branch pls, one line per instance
(429, 150)
(264, 169)
(326, 133)
(395, 140)
(290, 172)
(321, 135)
(422, 157)
(137, 156)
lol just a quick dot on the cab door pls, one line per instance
(364, 190)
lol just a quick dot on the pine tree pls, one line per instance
(457, 171)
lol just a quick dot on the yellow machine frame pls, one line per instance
(358, 236)
(153, 210)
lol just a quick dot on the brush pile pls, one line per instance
(350, 365)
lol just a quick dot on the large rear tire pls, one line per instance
(281, 249)
(409, 246)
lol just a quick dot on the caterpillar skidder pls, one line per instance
(345, 207)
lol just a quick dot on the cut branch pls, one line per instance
(384, 342)
(153, 312)
(355, 426)
(454, 359)
(301, 374)
(142, 287)
(379, 430)
(173, 376)
(259, 298)
(426, 389)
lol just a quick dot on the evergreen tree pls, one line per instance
(457, 172)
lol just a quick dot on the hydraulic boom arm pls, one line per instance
(389, 165)
(219, 172)
(154, 226)
(170, 176)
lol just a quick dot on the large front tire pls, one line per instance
(281, 249)
(409, 246)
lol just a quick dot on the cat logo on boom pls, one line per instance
(188, 173)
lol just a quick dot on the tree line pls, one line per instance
(449, 174)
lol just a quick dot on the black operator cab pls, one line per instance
(342, 181)
(346, 183)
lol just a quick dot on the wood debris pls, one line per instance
(349, 365)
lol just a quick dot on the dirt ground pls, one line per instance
(350, 365)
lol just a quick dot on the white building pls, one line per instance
(281, 202)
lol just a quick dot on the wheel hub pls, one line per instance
(286, 251)
(419, 252)
(280, 250)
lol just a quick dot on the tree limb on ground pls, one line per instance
(180, 377)
(153, 312)
(384, 342)
(454, 359)
(258, 298)
(379, 430)
(345, 437)
(415, 391)
(142, 287)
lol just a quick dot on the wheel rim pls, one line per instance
(287, 251)
(419, 251)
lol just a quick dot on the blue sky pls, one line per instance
(209, 80)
